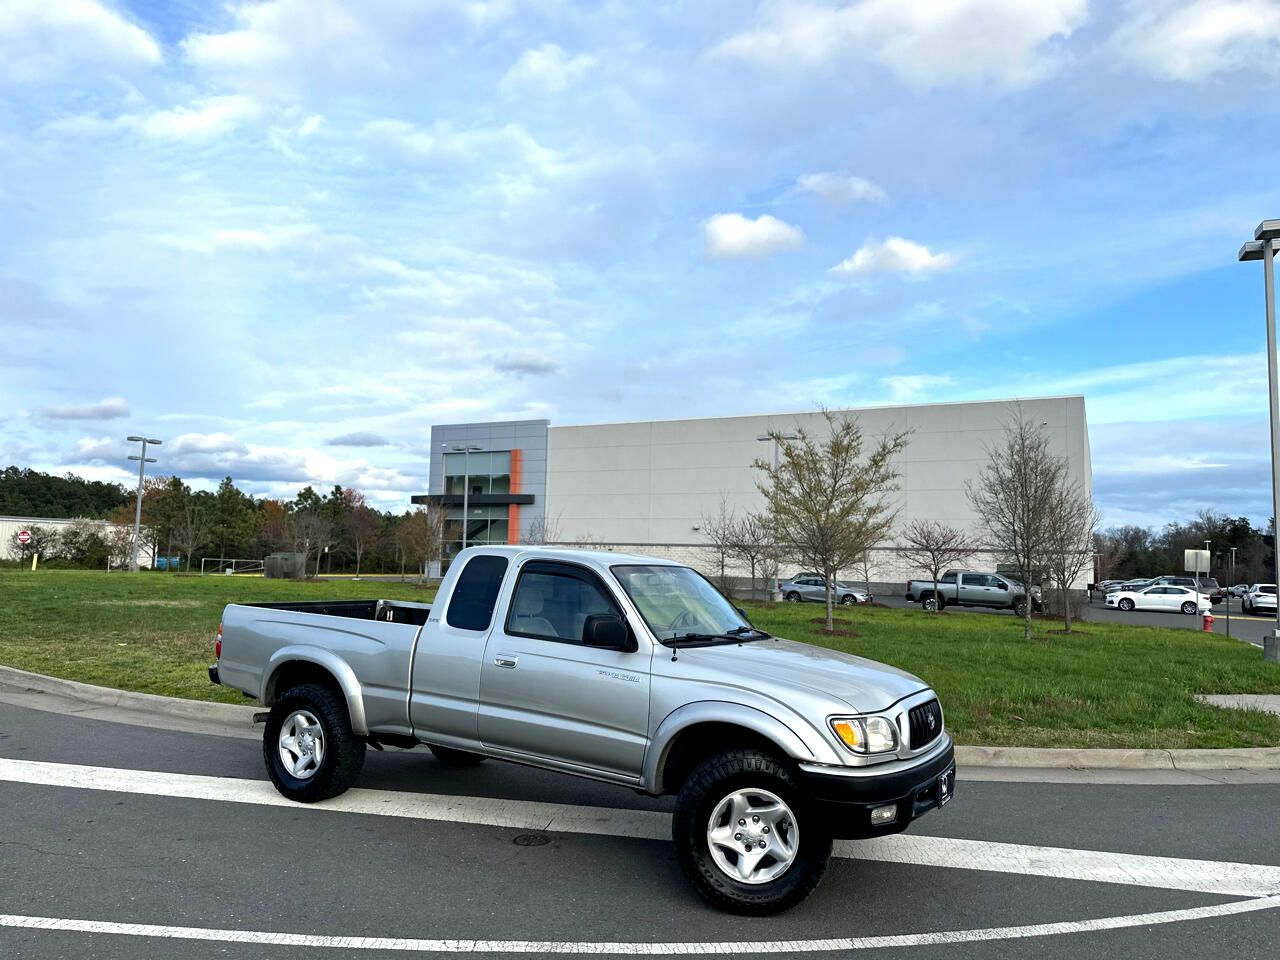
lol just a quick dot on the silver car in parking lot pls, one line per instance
(815, 589)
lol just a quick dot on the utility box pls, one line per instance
(285, 566)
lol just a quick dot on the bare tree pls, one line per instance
(1073, 525)
(364, 525)
(720, 531)
(827, 499)
(934, 546)
(119, 541)
(192, 526)
(1014, 500)
(543, 530)
(44, 542)
(751, 544)
(422, 536)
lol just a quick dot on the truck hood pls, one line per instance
(771, 666)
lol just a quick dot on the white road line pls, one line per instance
(641, 948)
(1169, 873)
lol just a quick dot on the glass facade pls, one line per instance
(477, 473)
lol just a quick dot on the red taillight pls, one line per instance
(217, 644)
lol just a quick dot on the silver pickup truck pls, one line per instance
(968, 588)
(626, 669)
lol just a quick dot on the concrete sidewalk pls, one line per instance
(222, 719)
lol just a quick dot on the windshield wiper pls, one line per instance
(736, 635)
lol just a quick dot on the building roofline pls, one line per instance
(805, 413)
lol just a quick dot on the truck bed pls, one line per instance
(389, 611)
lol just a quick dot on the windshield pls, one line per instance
(677, 601)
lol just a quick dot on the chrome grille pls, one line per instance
(925, 722)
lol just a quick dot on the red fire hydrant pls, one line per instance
(1208, 622)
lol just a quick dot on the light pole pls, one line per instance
(1208, 566)
(1263, 247)
(466, 452)
(1231, 585)
(774, 594)
(143, 460)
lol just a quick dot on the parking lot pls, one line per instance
(135, 841)
(1249, 628)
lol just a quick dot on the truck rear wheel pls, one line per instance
(745, 836)
(930, 602)
(455, 758)
(309, 747)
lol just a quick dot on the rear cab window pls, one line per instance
(476, 593)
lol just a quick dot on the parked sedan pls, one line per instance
(815, 589)
(1239, 590)
(1261, 598)
(1130, 585)
(1163, 597)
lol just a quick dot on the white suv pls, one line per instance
(1261, 597)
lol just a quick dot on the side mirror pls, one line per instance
(742, 613)
(607, 632)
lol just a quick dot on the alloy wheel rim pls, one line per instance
(301, 744)
(753, 836)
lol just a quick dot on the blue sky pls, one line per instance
(288, 236)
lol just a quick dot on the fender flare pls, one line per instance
(338, 668)
(794, 744)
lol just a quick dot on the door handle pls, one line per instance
(506, 660)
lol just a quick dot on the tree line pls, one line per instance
(334, 532)
(1130, 552)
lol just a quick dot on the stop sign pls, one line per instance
(24, 537)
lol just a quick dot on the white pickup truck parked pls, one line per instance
(626, 669)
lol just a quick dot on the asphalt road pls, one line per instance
(122, 847)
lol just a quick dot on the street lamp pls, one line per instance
(143, 460)
(774, 593)
(466, 452)
(775, 438)
(1263, 247)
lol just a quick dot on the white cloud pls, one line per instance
(203, 120)
(269, 238)
(547, 69)
(838, 189)
(909, 387)
(926, 42)
(894, 255)
(1196, 40)
(444, 143)
(42, 40)
(283, 48)
(112, 408)
(733, 235)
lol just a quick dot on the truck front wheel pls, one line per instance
(744, 834)
(311, 752)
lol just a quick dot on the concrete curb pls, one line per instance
(1043, 758)
(197, 710)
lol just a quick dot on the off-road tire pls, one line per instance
(455, 758)
(343, 753)
(1020, 608)
(709, 783)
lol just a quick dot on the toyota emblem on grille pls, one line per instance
(933, 722)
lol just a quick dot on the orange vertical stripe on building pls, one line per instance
(513, 510)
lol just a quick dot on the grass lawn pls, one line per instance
(1104, 686)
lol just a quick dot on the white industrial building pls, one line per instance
(649, 486)
(11, 526)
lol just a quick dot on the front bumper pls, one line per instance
(844, 803)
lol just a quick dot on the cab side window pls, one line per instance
(553, 601)
(476, 593)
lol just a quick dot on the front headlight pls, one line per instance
(866, 735)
